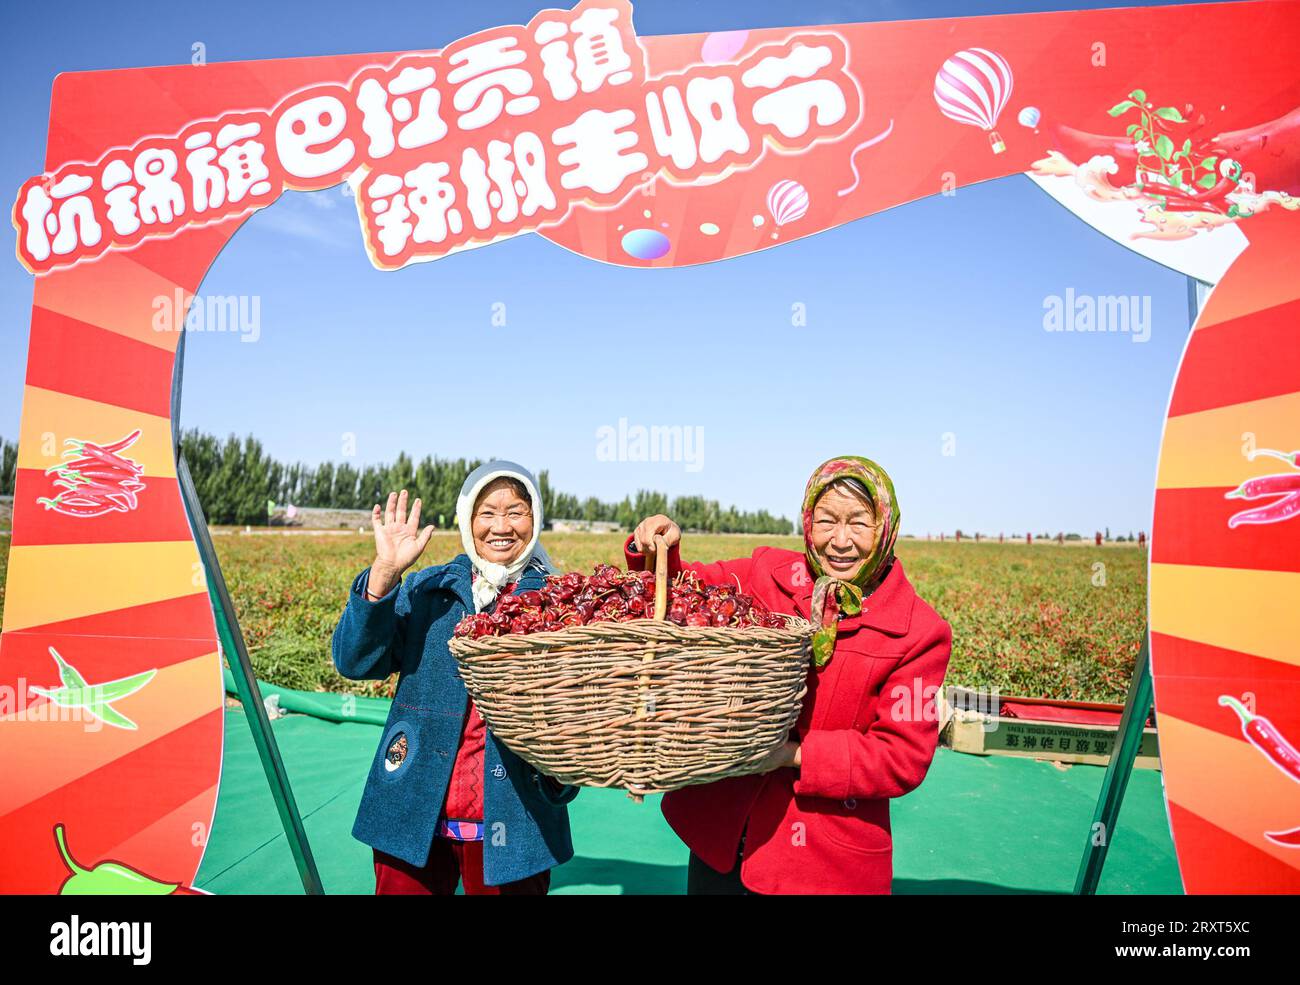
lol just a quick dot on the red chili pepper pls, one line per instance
(1222, 187)
(106, 478)
(95, 489)
(1279, 509)
(97, 484)
(116, 445)
(74, 508)
(1193, 207)
(1180, 200)
(86, 501)
(108, 458)
(1266, 485)
(1287, 839)
(1265, 737)
(1292, 458)
(97, 462)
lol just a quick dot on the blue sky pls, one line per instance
(924, 324)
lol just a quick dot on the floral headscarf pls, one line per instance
(833, 594)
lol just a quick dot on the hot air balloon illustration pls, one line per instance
(973, 87)
(787, 200)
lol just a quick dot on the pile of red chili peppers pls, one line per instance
(1264, 736)
(97, 480)
(610, 595)
(1285, 486)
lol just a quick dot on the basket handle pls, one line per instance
(661, 609)
(661, 578)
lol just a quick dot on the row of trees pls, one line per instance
(236, 478)
(1121, 539)
(8, 466)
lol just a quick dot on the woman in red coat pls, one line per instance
(815, 818)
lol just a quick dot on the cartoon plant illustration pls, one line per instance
(1182, 177)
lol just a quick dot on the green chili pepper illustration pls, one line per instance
(95, 699)
(107, 878)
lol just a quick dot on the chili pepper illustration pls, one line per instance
(1286, 487)
(1292, 458)
(94, 699)
(1174, 200)
(1209, 200)
(1265, 737)
(109, 878)
(1275, 512)
(1265, 485)
(98, 480)
(117, 445)
(1287, 839)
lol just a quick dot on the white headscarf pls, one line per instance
(494, 577)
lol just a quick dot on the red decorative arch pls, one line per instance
(112, 583)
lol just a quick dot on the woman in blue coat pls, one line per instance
(437, 762)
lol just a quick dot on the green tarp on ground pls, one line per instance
(976, 825)
(331, 707)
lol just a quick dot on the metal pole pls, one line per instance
(1197, 292)
(232, 644)
(1137, 706)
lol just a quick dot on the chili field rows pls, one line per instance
(1042, 620)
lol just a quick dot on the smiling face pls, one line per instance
(844, 531)
(503, 521)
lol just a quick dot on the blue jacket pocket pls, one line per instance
(399, 749)
(406, 786)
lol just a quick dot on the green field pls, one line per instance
(1031, 621)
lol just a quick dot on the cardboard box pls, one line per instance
(964, 727)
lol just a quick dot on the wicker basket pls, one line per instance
(646, 705)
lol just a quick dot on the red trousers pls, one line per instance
(450, 862)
